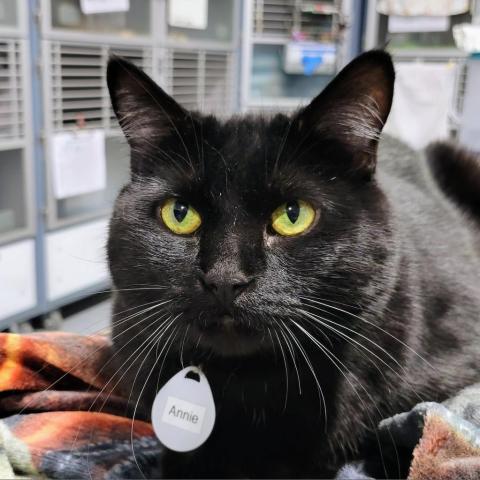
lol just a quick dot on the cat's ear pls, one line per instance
(144, 111)
(351, 111)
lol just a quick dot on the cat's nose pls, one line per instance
(225, 288)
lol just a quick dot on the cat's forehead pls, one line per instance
(247, 143)
(254, 131)
(245, 161)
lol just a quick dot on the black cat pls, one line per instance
(319, 293)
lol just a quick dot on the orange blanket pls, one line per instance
(61, 417)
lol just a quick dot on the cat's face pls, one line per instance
(241, 225)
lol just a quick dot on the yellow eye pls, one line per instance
(180, 217)
(293, 218)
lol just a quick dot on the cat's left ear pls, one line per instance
(351, 111)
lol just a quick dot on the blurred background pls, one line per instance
(62, 155)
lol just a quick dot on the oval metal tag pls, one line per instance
(183, 412)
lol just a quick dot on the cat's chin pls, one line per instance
(228, 339)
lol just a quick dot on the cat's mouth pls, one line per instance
(227, 336)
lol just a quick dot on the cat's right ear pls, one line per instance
(351, 112)
(144, 111)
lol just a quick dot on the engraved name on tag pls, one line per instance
(183, 414)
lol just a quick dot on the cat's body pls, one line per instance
(391, 267)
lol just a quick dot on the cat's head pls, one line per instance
(238, 227)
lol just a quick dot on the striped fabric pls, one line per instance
(60, 415)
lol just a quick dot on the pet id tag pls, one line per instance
(183, 412)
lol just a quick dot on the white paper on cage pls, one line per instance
(403, 24)
(467, 37)
(422, 7)
(422, 102)
(90, 7)
(188, 14)
(78, 163)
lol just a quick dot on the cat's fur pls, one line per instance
(395, 262)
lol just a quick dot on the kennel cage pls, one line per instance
(18, 295)
(293, 46)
